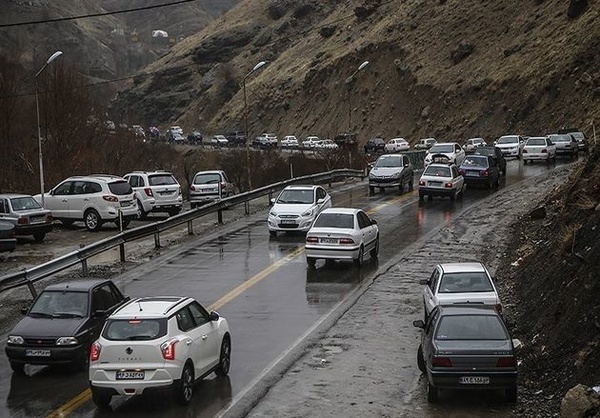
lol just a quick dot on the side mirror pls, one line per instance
(373, 222)
(272, 201)
(419, 324)
(424, 282)
(320, 201)
(214, 316)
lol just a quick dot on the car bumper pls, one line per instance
(566, 151)
(333, 253)
(382, 184)
(205, 198)
(477, 180)
(450, 380)
(536, 157)
(434, 191)
(155, 376)
(510, 152)
(58, 355)
(298, 224)
(33, 229)
(162, 205)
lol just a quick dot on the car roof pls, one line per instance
(98, 177)
(536, 137)
(341, 210)
(462, 267)
(77, 285)
(445, 143)
(209, 172)
(439, 165)
(150, 172)
(151, 306)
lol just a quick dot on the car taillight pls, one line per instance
(192, 187)
(346, 241)
(441, 362)
(312, 239)
(544, 151)
(498, 308)
(421, 183)
(448, 185)
(507, 362)
(110, 198)
(23, 221)
(461, 172)
(148, 191)
(95, 351)
(168, 349)
(484, 173)
(49, 217)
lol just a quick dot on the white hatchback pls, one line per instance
(157, 343)
(296, 207)
(156, 191)
(397, 145)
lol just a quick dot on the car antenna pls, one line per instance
(140, 305)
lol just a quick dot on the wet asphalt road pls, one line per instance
(279, 299)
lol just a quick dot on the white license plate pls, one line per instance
(129, 375)
(210, 190)
(434, 184)
(37, 353)
(288, 221)
(37, 220)
(474, 380)
(329, 240)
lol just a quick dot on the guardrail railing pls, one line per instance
(29, 276)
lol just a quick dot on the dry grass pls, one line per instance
(567, 237)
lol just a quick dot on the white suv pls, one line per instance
(209, 186)
(93, 199)
(156, 191)
(157, 343)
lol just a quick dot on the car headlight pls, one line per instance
(66, 341)
(15, 339)
(397, 175)
(308, 213)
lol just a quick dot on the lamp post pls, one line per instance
(349, 80)
(39, 128)
(256, 67)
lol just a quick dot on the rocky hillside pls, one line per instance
(448, 69)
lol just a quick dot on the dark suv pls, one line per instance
(63, 322)
(375, 145)
(236, 138)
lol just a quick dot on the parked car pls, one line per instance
(155, 191)
(396, 145)
(466, 347)
(219, 141)
(236, 138)
(473, 143)
(480, 170)
(8, 242)
(374, 145)
(166, 342)
(441, 180)
(452, 150)
(456, 283)
(289, 141)
(266, 140)
(426, 143)
(580, 138)
(176, 138)
(391, 170)
(342, 234)
(209, 186)
(510, 145)
(195, 138)
(310, 141)
(539, 148)
(26, 214)
(139, 132)
(327, 144)
(345, 140)
(566, 144)
(94, 199)
(175, 130)
(296, 208)
(62, 323)
(495, 153)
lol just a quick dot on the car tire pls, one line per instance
(184, 388)
(224, 357)
(126, 223)
(421, 359)
(375, 251)
(101, 398)
(421, 196)
(432, 393)
(173, 212)
(511, 394)
(143, 214)
(92, 220)
(524, 161)
(39, 236)
(311, 261)
(359, 261)
(17, 368)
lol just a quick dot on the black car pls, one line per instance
(8, 242)
(236, 138)
(63, 322)
(375, 145)
(493, 152)
(466, 347)
(194, 138)
(481, 170)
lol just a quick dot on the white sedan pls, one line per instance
(219, 141)
(539, 148)
(310, 142)
(296, 207)
(397, 145)
(342, 234)
(455, 283)
(289, 141)
(441, 180)
(327, 144)
(452, 150)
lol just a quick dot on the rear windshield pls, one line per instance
(476, 162)
(437, 171)
(24, 203)
(120, 187)
(441, 148)
(536, 141)
(296, 197)
(60, 304)
(465, 282)
(470, 327)
(161, 179)
(392, 161)
(508, 140)
(335, 220)
(135, 329)
(560, 138)
(212, 178)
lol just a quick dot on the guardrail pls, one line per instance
(29, 276)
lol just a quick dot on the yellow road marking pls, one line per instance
(66, 409)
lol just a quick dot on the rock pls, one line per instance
(462, 51)
(327, 31)
(576, 8)
(579, 402)
(538, 213)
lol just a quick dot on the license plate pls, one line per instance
(472, 173)
(210, 190)
(474, 380)
(125, 204)
(37, 353)
(329, 240)
(435, 183)
(37, 220)
(129, 375)
(288, 221)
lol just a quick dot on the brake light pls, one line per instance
(312, 239)
(448, 185)
(441, 362)
(23, 221)
(421, 183)
(498, 308)
(95, 351)
(148, 191)
(110, 198)
(168, 349)
(346, 241)
(484, 173)
(507, 362)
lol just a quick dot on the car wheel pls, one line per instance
(453, 196)
(432, 393)
(421, 359)
(184, 389)
(511, 394)
(361, 255)
(411, 184)
(375, 251)
(101, 398)
(224, 358)
(39, 236)
(125, 223)
(92, 220)
(18, 368)
(311, 261)
(143, 214)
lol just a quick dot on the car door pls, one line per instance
(82, 197)
(457, 179)
(459, 154)
(430, 291)
(551, 148)
(368, 230)
(58, 200)
(208, 350)
(323, 197)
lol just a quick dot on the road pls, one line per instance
(261, 285)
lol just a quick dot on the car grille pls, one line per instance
(289, 216)
(40, 342)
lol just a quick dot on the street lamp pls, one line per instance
(349, 80)
(256, 67)
(39, 128)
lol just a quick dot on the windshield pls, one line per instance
(296, 196)
(470, 327)
(437, 171)
(441, 148)
(120, 187)
(335, 220)
(475, 161)
(536, 141)
(392, 161)
(560, 138)
(135, 329)
(211, 178)
(24, 203)
(508, 140)
(465, 282)
(60, 304)
(161, 180)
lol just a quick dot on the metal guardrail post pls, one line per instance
(220, 216)
(190, 228)
(32, 289)
(122, 252)
(156, 240)
(84, 267)
(247, 207)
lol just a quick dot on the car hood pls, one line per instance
(47, 327)
(291, 208)
(465, 347)
(385, 171)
